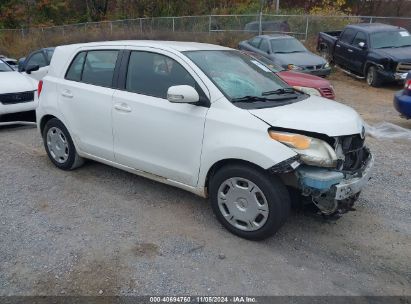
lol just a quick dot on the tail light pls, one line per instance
(39, 87)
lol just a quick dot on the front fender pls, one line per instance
(233, 133)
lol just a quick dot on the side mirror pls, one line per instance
(182, 94)
(32, 68)
(361, 44)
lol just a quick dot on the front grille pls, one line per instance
(14, 98)
(327, 92)
(314, 67)
(404, 67)
(354, 151)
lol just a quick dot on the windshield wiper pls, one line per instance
(279, 91)
(249, 98)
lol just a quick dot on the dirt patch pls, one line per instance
(149, 250)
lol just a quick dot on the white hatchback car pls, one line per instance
(207, 119)
(17, 92)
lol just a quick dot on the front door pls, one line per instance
(152, 134)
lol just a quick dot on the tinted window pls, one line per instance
(152, 74)
(390, 39)
(360, 37)
(99, 68)
(76, 67)
(37, 59)
(348, 35)
(265, 47)
(255, 42)
(49, 54)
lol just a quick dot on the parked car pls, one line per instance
(402, 99)
(17, 92)
(207, 119)
(287, 52)
(36, 64)
(374, 51)
(10, 61)
(310, 84)
(268, 26)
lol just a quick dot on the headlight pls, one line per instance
(327, 65)
(294, 67)
(312, 151)
(309, 91)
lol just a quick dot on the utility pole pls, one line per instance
(260, 26)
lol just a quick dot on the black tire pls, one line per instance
(372, 77)
(73, 160)
(274, 190)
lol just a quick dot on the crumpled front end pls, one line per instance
(333, 174)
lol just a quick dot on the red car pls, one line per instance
(310, 84)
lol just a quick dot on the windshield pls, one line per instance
(4, 67)
(288, 45)
(235, 74)
(392, 39)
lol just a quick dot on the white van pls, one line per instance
(207, 119)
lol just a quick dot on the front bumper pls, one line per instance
(328, 188)
(354, 184)
(402, 104)
(18, 107)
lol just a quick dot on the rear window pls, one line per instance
(93, 67)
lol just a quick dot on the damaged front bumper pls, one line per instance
(329, 189)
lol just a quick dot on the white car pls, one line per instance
(207, 119)
(17, 92)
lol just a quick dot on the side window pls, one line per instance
(152, 74)
(255, 42)
(76, 67)
(99, 67)
(348, 36)
(49, 54)
(265, 47)
(37, 59)
(360, 37)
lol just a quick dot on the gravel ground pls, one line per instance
(99, 230)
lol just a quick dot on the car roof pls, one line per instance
(374, 27)
(179, 46)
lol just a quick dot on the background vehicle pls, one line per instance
(207, 119)
(402, 99)
(309, 84)
(40, 58)
(10, 61)
(287, 52)
(377, 52)
(17, 92)
(268, 26)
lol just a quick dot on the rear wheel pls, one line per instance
(59, 146)
(325, 54)
(373, 78)
(249, 202)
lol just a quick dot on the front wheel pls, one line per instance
(373, 79)
(249, 202)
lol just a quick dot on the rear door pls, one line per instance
(341, 53)
(85, 99)
(152, 134)
(358, 53)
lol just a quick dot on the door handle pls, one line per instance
(350, 50)
(337, 45)
(67, 94)
(123, 107)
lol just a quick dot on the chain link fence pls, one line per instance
(302, 27)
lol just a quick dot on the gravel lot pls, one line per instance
(99, 230)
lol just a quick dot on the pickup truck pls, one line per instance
(373, 51)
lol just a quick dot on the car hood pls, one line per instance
(314, 114)
(14, 82)
(300, 58)
(402, 54)
(303, 80)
